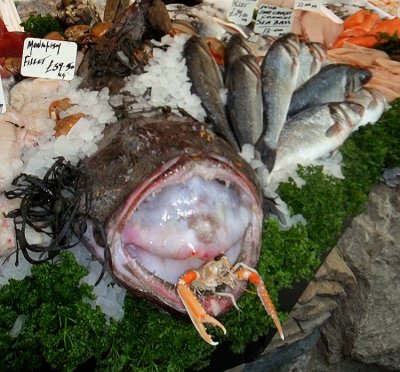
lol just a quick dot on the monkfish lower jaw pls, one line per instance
(191, 211)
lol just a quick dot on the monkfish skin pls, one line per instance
(120, 50)
(169, 195)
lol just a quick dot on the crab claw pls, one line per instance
(196, 312)
(244, 272)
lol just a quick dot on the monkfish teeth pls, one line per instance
(279, 72)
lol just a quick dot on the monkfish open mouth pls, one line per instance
(190, 212)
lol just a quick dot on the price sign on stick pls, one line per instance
(50, 59)
(273, 20)
(241, 12)
(309, 5)
(2, 99)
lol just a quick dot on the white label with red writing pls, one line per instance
(273, 20)
(241, 12)
(2, 99)
(309, 5)
(50, 59)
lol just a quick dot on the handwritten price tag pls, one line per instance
(2, 99)
(241, 12)
(273, 20)
(309, 5)
(49, 59)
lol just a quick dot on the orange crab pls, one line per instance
(63, 125)
(208, 278)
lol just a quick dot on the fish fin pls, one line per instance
(267, 153)
(334, 130)
(270, 207)
(233, 123)
(227, 135)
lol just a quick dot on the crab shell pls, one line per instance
(170, 196)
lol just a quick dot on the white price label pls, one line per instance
(273, 20)
(50, 59)
(241, 12)
(309, 5)
(2, 99)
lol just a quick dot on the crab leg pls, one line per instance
(194, 308)
(244, 272)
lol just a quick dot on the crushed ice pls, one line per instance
(167, 71)
(38, 156)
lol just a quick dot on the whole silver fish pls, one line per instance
(311, 57)
(244, 104)
(235, 48)
(207, 83)
(332, 84)
(315, 132)
(279, 73)
(374, 102)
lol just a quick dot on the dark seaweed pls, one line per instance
(389, 44)
(49, 206)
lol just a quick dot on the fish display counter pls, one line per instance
(173, 175)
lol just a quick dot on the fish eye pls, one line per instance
(217, 258)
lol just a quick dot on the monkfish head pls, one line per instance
(170, 197)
